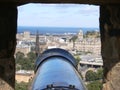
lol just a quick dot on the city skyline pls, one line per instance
(58, 15)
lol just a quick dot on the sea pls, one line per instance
(54, 30)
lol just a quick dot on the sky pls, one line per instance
(58, 15)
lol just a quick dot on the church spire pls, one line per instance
(37, 49)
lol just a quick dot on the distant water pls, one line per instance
(53, 30)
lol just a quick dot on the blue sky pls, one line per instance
(58, 15)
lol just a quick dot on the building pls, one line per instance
(80, 34)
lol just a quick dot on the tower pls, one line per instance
(80, 34)
(37, 49)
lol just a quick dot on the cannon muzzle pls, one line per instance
(56, 69)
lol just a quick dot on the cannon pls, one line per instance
(56, 69)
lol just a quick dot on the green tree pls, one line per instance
(18, 67)
(21, 86)
(95, 85)
(100, 73)
(19, 56)
(31, 55)
(90, 75)
(25, 63)
(32, 58)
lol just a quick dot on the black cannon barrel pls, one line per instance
(56, 70)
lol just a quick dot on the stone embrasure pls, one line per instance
(110, 45)
(8, 28)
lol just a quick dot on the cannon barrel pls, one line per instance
(56, 69)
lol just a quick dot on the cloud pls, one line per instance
(57, 14)
(59, 9)
(88, 10)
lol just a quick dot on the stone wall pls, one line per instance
(110, 39)
(8, 27)
(110, 45)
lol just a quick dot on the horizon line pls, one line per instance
(59, 26)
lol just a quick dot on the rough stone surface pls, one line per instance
(8, 27)
(110, 48)
(7, 74)
(110, 38)
(98, 2)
